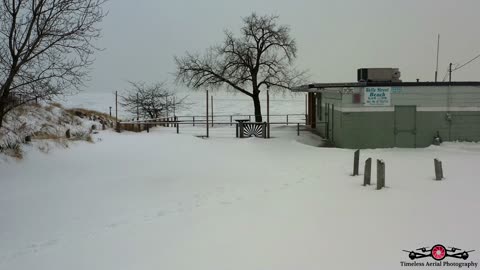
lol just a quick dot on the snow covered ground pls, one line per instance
(167, 201)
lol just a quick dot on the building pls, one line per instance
(387, 112)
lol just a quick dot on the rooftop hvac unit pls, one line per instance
(378, 75)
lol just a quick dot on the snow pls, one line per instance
(160, 200)
(42, 118)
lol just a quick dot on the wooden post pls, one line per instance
(287, 119)
(116, 112)
(356, 160)
(327, 126)
(138, 112)
(306, 109)
(178, 128)
(264, 130)
(212, 109)
(333, 123)
(240, 129)
(380, 174)
(166, 111)
(368, 172)
(438, 169)
(193, 120)
(207, 115)
(268, 112)
(298, 129)
(110, 111)
(231, 118)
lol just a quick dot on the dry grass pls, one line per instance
(56, 104)
(90, 113)
(41, 135)
(12, 149)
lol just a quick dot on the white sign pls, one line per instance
(377, 96)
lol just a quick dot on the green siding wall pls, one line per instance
(366, 130)
(376, 129)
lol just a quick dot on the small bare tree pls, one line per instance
(45, 47)
(150, 101)
(262, 56)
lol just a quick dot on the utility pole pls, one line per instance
(438, 51)
(450, 73)
(116, 107)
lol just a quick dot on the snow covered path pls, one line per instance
(168, 201)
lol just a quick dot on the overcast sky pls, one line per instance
(334, 38)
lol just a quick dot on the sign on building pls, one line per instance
(377, 96)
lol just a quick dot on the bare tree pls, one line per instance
(46, 47)
(262, 56)
(151, 101)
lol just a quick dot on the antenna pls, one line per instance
(438, 51)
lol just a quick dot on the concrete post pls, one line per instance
(380, 174)
(356, 160)
(438, 169)
(368, 172)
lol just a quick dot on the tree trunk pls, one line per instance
(258, 110)
(2, 114)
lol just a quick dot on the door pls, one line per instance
(405, 126)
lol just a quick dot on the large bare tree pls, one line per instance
(46, 47)
(261, 57)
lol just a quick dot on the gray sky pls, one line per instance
(334, 38)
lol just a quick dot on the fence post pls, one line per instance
(236, 130)
(438, 169)
(368, 172)
(268, 111)
(380, 174)
(287, 119)
(240, 129)
(231, 120)
(264, 130)
(212, 109)
(298, 129)
(178, 128)
(207, 116)
(356, 160)
(193, 120)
